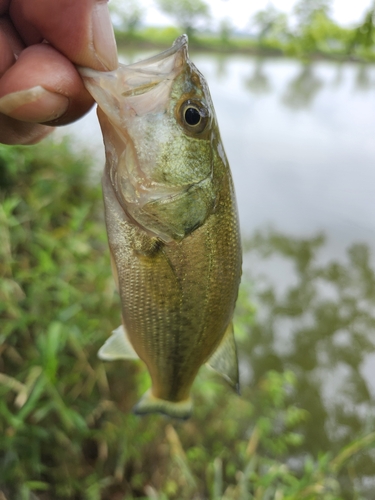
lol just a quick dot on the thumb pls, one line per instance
(79, 29)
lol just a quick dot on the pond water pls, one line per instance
(300, 141)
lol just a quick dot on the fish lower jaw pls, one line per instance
(151, 404)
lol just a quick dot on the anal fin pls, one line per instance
(224, 359)
(117, 346)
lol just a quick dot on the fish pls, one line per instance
(172, 225)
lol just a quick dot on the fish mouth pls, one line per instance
(178, 44)
(146, 65)
(149, 79)
(142, 89)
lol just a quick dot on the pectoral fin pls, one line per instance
(117, 346)
(224, 359)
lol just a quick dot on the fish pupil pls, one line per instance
(192, 116)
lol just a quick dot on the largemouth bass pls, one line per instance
(172, 225)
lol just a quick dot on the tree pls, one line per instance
(225, 30)
(315, 30)
(269, 22)
(126, 14)
(306, 10)
(187, 13)
(364, 35)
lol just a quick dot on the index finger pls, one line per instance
(79, 29)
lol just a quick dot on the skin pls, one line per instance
(41, 41)
(177, 257)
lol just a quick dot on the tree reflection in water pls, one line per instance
(303, 89)
(221, 66)
(363, 80)
(259, 82)
(320, 324)
(339, 77)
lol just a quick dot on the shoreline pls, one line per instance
(154, 38)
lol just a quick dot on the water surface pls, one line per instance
(300, 140)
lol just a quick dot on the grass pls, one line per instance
(66, 429)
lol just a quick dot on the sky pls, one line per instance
(239, 12)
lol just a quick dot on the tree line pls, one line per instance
(308, 31)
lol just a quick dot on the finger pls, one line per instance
(81, 30)
(10, 43)
(6, 54)
(52, 93)
(16, 132)
(9, 31)
(4, 6)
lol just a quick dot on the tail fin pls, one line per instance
(150, 404)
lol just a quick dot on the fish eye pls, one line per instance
(194, 116)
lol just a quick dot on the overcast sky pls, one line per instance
(345, 12)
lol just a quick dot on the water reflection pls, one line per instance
(303, 89)
(300, 91)
(319, 322)
(339, 77)
(222, 61)
(363, 81)
(259, 82)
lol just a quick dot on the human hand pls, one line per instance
(40, 42)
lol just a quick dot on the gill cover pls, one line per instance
(156, 117)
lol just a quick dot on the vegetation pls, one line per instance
(309, 33)
(127, 16)
(66, 427)
(187, 13)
